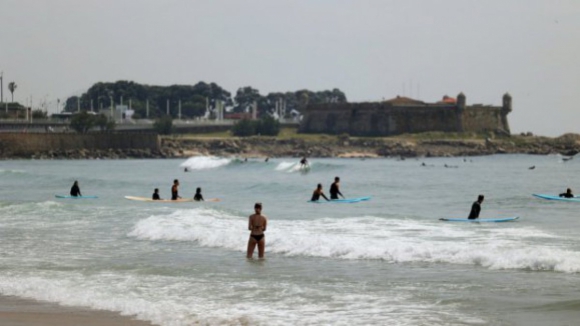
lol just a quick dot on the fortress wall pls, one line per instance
(484, 118)
(384, 119)
(29, 143)
(378, 119)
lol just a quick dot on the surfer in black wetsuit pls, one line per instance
(303, 162)
(567, 194)
(335, 189)
(198, 196)
(175, 190)
(75, 191)
(476, 208)
(317, 193)
(156, 194)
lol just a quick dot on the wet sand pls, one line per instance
(19, 312)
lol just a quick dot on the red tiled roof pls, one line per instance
(402, 100)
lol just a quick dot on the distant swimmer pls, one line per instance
(267, 159)
(317, 193)
(335, 189)
(476, 208)
(175, 190)
(156, 194)
(257, 224)
(185, 169)
(532, 167)
(567, 194)
(198, 196)
(75, 191)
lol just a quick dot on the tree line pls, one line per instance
(195, 98)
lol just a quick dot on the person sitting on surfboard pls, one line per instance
(175, 190)
(156, 194)
(198, 196)
(476, 208)
(75, 191)
(567, 194)
(335, 189)
(317, 193)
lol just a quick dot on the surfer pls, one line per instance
(175, 190)
(335, 189)
(317, 193)
(156, 194)
(303, 162)
(75, 191)
(185, 169)
(257, 225)
(198, 196)
(567, 194)
(476, 208)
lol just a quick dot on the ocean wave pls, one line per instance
(180, 301)
(205, 162)
(289, 167)
(12, 171)
(393, 241)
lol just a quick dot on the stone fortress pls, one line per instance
(402, 115)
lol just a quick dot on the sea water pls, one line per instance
(388, 261)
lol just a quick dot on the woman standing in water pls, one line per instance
(257, 225)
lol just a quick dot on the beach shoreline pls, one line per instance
(15, 311)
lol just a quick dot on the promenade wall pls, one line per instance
(26, 144)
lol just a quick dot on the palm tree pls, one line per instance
(12, 87)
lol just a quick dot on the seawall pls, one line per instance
(28, 144)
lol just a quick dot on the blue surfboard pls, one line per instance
(551, 197)
(339, 201)
(479, 220)
(74, 197)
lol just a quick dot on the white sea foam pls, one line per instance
(205, 162)
(179, 301)
(14, 171)
(394, 241)
(288, 167)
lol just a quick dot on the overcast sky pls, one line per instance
(370, 49)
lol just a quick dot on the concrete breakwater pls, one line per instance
(118, 146)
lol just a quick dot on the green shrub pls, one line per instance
(244, 128)
(164, 125)
(268, 126)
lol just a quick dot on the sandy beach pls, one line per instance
(19, 312)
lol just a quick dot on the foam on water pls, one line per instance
(288, 167)
(179, 301)
(391, 240)
(12, 171)
(205, 162)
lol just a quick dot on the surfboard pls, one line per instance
(551, 197)
(148, 199)
(339, 201)
(480, 220)
(74, 197)
(181, 200)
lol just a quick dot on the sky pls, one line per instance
(369, 49)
